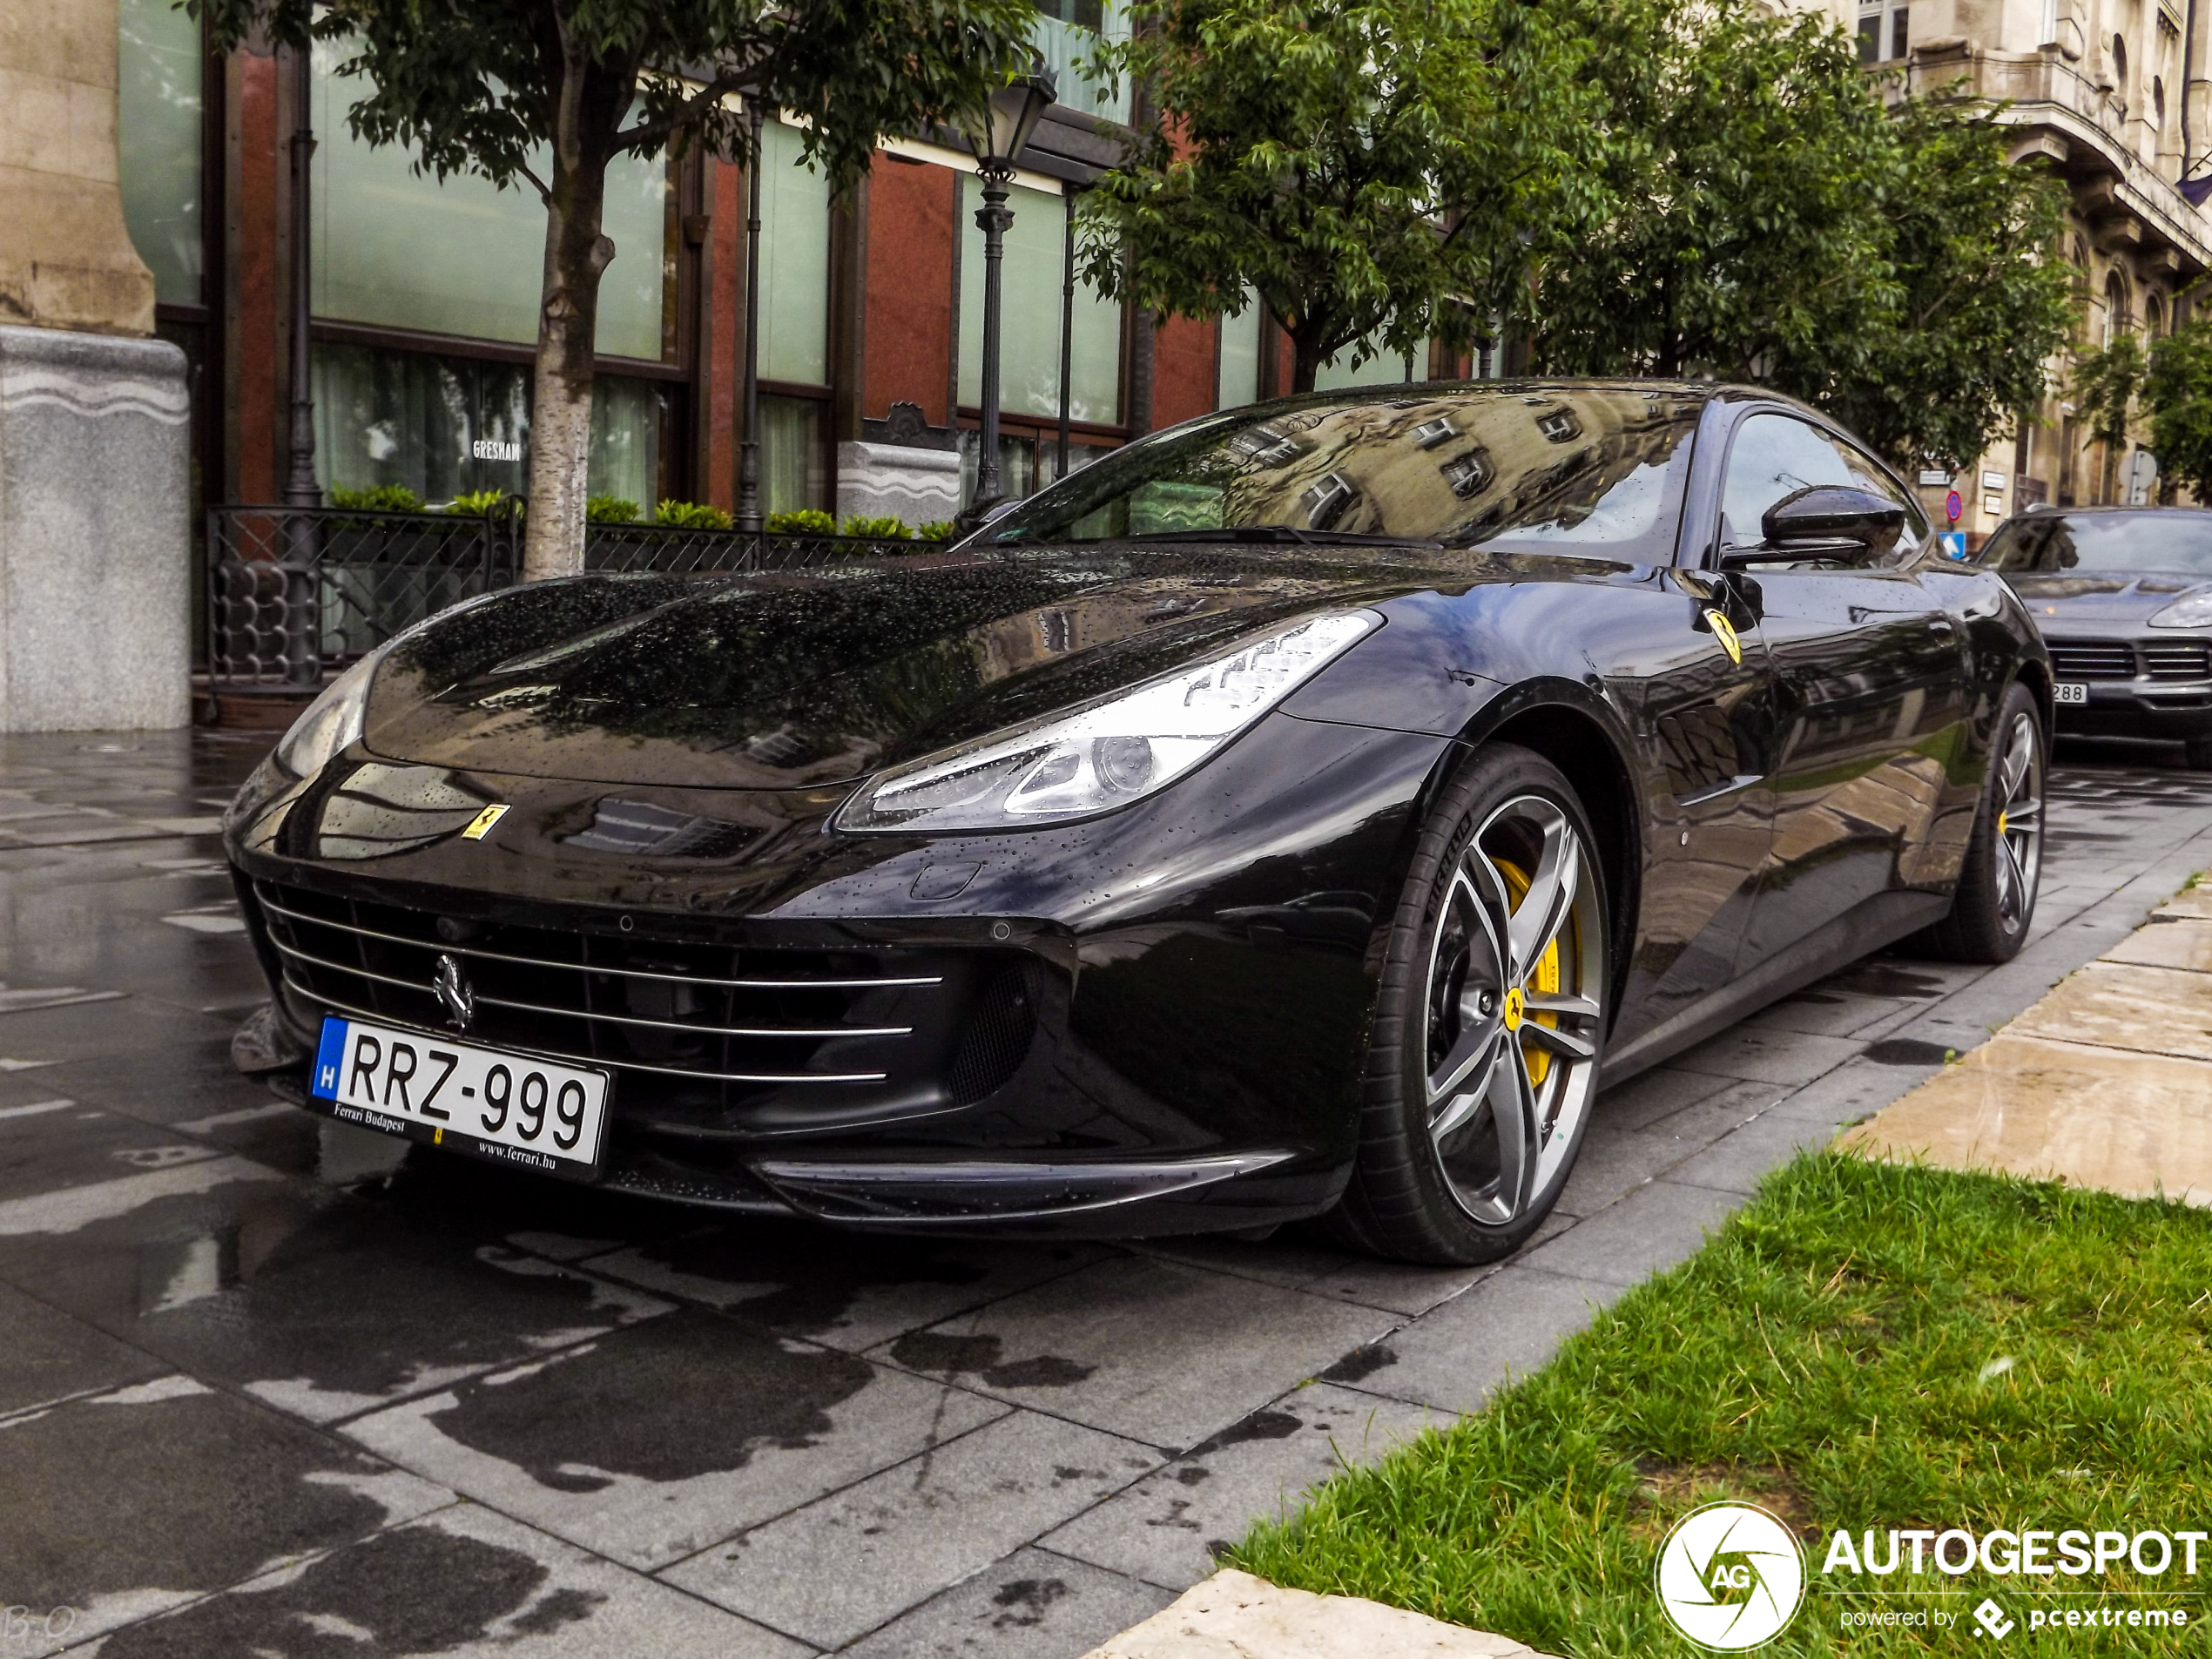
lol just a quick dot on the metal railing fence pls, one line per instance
(294, 594)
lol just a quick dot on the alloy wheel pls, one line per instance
(1516, 977)
(2020, 822)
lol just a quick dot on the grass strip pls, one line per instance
(1864, 1346)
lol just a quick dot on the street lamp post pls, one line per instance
(749, 514)
(302, 643)
(1008, 120)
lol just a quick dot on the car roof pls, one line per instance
(1699, 391)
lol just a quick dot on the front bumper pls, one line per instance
(2140, 682)
(2169, 710)
(794, 1030)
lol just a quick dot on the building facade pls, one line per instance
(423, 298)
(2112, 96)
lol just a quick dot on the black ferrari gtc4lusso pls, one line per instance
(1299, 812)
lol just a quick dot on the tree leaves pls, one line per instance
(2178, 393)
(472, 89)
(1367, 167)
(1768, 220)
(1654, 187)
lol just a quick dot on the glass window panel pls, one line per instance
(794, 262)
(1773, 456)
(1338, 372)
(1237, 382)
(1066, 35)
(1017, 463)
(1031, 277)
(1080, 455)
(790, 454)
(451, 426)
(158, 107)
(1094, 360)
(625, 439)
(405, 251)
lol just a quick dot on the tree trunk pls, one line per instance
(1306, 357)
(576, 253)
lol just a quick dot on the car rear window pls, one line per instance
(2120, 544)
(1569, 469)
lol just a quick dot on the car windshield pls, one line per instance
(1553, 468)
(2116, 543)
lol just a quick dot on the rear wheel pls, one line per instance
(1483, 1058)
(1997, 885)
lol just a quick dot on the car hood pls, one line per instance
(2100, 601)
(795, 680)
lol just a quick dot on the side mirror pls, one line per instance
(1836, 523)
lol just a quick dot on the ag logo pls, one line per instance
(1730, 1576)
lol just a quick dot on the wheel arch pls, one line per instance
(1588, 746)
(2035, 674)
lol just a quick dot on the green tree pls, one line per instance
(1766, 219)
(1980, 303)
(1367, 167)
(546, 93)
(2106, 385)
(1744, 164)
(2168, 389)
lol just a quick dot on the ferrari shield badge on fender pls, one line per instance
(1724, 631)
(480, 825)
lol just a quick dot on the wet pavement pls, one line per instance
(273, 1385)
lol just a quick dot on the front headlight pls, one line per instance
(1109, 753)
(332, 721)
(2191, 611)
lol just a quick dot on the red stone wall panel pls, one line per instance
(725, 315)
(1184, 381)
(909, 324)
(254, 337)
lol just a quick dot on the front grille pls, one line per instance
(2184, 659)
(697, 1022)
(2093, 659)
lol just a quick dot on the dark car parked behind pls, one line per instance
(2123, 595)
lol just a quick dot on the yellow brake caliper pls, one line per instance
(1544, 981)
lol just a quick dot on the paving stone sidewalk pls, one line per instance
(269, 1379)
(2105, 1082)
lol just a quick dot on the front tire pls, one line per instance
(1483, 1057)
(1995, 900)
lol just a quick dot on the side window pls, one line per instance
(1917, 530)
(1774, 455)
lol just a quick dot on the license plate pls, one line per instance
(2069, 691)
(511, 1107)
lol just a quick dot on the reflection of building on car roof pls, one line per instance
(1563, 465)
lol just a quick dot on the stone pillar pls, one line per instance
(890, 480)
(94, 544)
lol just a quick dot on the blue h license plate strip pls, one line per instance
(329, 1055)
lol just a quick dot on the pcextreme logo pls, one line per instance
(1730, 1576)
